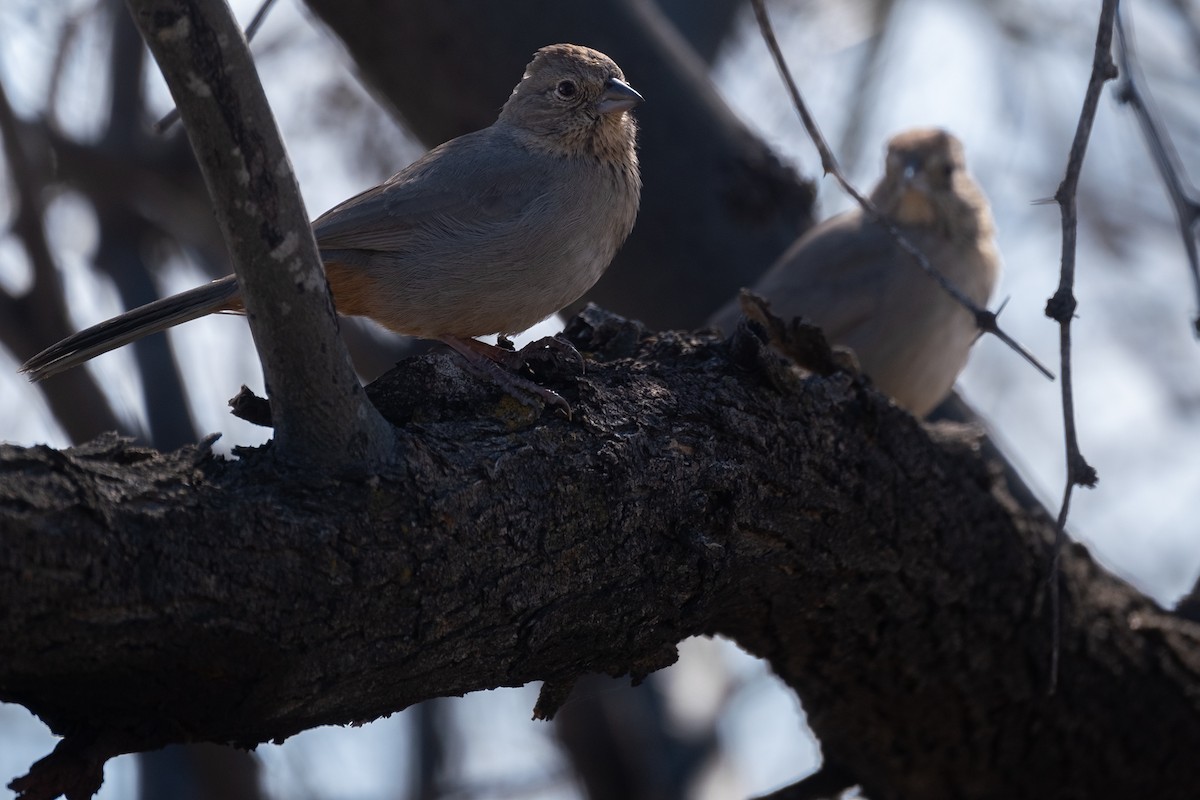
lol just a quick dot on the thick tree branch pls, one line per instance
(702, 487)
(322, 416)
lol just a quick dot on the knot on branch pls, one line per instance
(1061, 306)
(986, 321)
(802, 342)
(1081, 472)
(252, 408)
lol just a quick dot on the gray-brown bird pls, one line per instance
(848, 276)
(487, 233)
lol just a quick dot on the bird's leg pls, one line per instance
(499, 365)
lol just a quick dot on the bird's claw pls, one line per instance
(501, 366)
(553, 345)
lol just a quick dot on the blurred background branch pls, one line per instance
(1183, 194)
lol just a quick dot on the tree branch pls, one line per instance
(322, 416)
(169, 119)
(1061, 306)
(1184, 198)
(703, 487)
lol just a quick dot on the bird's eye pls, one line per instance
(565, 89)
(948, 171)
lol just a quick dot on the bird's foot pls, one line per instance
(501, 365)
(548, 354)
(553, 351)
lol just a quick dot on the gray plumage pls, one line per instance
(848, 276)
(487, 233)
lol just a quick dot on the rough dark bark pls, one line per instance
(717, 206)
(880, 566)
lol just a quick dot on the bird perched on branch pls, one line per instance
(487, 233)
(848, 275)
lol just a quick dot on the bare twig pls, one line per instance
(1061, 307)
(985, 320)
(171, 117)
(1184, 198)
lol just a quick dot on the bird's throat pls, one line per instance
(915, 209)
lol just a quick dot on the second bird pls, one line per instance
(488, 233)
(849, 277)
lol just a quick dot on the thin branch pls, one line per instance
(985, 320)
(171, 117)
(1184, 198)
(1061, 307)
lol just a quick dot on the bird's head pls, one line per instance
(926, 184)
(575, 100)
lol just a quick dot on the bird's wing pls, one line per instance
(831, 275)
(473, 183)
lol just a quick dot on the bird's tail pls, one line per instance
(220, 295)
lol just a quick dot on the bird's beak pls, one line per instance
(618, 96)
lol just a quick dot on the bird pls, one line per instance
(850, 277)
(487, 233)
